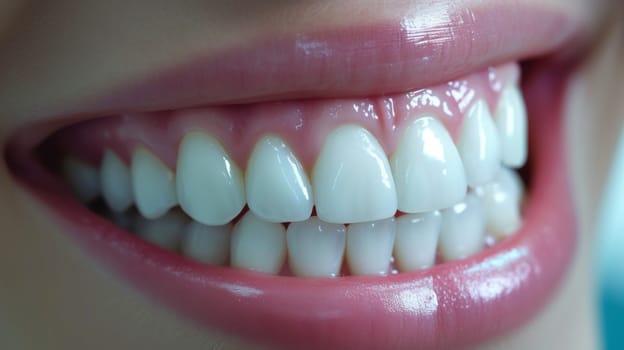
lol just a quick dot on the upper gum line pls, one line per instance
(303, 125)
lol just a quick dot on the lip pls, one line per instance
(448, 306)
(429, 44)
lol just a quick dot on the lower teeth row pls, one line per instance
(313, 248)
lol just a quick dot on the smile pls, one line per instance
(287, 196)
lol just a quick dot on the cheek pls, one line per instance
(10, 11)
(595, 113)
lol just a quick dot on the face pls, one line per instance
(419, 174)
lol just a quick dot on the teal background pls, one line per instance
(610, 254)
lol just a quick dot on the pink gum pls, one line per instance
(303, 124)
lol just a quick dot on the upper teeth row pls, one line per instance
(352, 181)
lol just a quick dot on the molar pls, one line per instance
(278, 189)
(209, 184)
(352, 179)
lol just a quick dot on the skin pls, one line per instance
(53, 56)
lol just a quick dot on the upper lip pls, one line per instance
(354, 61)
(416, 51)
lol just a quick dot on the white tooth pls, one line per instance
(369, 247)
(462, 229)
(315, 248)
(428, 172)
(153, 184)
(479, 146)
(258, 245)
(501, 200)
(511, 119)
(165, 231)
(208, 244)
(352, 178)
(510, 180)
(416, 240)
(278, 189)
(115, 182)
(82, 178)
(209, 184)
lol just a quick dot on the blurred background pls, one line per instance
(610, 254)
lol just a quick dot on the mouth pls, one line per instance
(397, 186)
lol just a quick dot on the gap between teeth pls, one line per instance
(448, 195)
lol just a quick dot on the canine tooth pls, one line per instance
(462, 229)
(208, 244)
(153, 184)
(315, 248)
(511, 119)
(479, 146)
(278, 189)
(369, 247)
(501, 200)
(427, 169)
(352, 179)
(115, 182)
(165, 231)
(416, 240)
(82, 178)
(209, 184)
(258, 245)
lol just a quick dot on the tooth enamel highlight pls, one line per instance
(501, 204)
(511, 119)
(369, 247)
(208, 244)
(462, 229)
(115, 182)
(82, 178)
(258, 245)
(165, 231)
(416, 240)
(479, 146)
(153, 184)
(209, 185)
(352, 179)
(315, 248)
(427, 169)
(278, 189)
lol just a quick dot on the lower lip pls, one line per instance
(452, 305)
